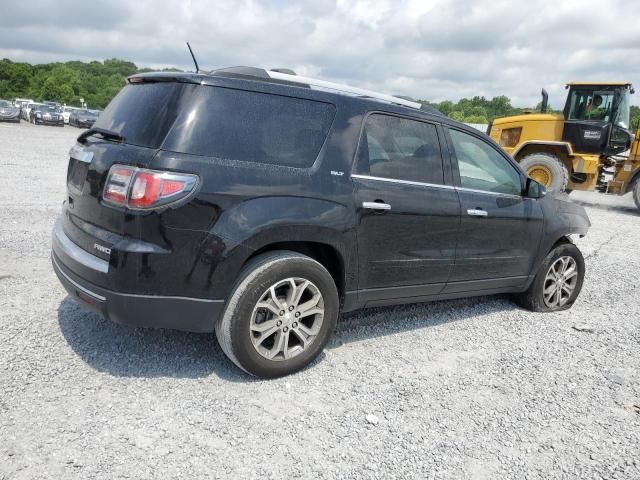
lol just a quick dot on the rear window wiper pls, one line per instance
(103, 132)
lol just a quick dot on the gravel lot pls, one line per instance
(459, 389)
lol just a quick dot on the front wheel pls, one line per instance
(558, 282)
(280, 314)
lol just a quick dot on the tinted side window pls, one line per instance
(144, 113)
(482, 167)
(252, 127)
(401, 149)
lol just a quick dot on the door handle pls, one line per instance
(477, 212)
(376, 206)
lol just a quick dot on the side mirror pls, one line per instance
(534, 189)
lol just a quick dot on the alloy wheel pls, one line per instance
(286, 319)
(560, 282)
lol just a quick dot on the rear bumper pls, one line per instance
(179, 313)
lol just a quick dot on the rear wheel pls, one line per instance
(546, 169)
(558, 282)
(280, 315)
(636, 193)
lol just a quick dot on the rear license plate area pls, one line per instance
(77, 174)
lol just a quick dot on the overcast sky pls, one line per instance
(429, 49)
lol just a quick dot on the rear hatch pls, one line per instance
(136, 123)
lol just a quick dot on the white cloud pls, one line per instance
(438, 49)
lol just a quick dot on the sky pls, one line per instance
(430, 49)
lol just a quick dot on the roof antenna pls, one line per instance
(194, 58)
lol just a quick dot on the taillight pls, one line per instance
(115, 191)
(140, 189)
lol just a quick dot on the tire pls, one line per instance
(636, 193)
(235, 329)
(549, 166)
(534, 299)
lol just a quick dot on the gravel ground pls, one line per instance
(459, 389)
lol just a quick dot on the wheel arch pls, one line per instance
(325, 254)
(562, 150)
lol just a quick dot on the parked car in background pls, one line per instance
(46, 115)
(26, 109)
(22, 102)
(9, 112)
(67, 111)
(83, 118)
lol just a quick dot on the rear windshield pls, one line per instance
(251, 126)
(144, 113)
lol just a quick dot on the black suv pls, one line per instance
(260, 204)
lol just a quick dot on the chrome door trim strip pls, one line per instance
(403, 182)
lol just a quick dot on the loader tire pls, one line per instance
(636, 193)
(546, 169)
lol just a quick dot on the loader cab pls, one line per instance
(597, 118)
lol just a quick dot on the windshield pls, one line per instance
(4, 104)
(623, 115)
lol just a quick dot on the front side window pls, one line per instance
(400, 149)
(590, 105)
(482, 167)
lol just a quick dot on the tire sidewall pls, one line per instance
(636, 193)
(244, 351)
(560, 174)
(566, 249)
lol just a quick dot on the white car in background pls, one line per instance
(66, 113)
(22, 102)
(26, 110)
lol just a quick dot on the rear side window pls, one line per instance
(400, 149)
(252, 127)
(144, 113)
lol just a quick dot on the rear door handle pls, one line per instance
(477, 212)
(376, 206)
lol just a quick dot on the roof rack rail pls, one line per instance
(278, 75)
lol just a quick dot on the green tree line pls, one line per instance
(483, 110)
(476, 109)
(98, 82)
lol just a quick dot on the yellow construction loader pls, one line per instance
(588, 147)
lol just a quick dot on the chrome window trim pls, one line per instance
(435, 185)
(402, 182)
(499, 194)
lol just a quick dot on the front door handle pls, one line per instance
(477, 212)
(376, 205)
